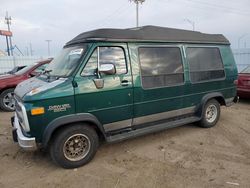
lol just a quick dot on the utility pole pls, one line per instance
(137, 10)
(191, 22)
(8, 22)
(27, 51)
(48, 41)
(8, 48)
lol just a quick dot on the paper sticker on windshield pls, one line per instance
(76, 51)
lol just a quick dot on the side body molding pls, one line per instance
(64, 120)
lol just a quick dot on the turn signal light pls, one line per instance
(37, 111)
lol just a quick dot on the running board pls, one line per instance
(151, 129)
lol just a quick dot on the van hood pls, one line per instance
(36, 84)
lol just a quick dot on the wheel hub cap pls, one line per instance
(8, 101)
(211, 113)
(76, 147)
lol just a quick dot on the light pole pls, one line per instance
(191, 22)
(27, 50)
(137, 10)
(31, 50)
(48, 41)
(8, 22)
(241, 37)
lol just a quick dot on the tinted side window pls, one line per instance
(114, 55)
(205, 64)
(160, 66)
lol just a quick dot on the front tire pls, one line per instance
(74, 146)
(210, 115)
(7, 102)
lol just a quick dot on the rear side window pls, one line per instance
(205, 64)
(160, 66)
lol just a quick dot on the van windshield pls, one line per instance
(66, 61)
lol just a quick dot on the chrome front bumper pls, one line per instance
(24, 142)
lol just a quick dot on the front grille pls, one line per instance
(18, 108)
(19, 117)
(19, 112)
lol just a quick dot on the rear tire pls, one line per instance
(210, 115)
(74, 146)
(7, 102)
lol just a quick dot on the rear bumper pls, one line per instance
(24, 142)
(244, 93)
(231, 101)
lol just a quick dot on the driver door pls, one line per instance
(113, 103)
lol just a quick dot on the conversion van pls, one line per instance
(114, 84)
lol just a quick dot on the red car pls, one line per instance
(243, 87)
(9, 82)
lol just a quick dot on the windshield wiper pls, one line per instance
(47, 72)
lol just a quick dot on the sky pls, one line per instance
(35, 21)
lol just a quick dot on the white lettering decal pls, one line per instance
(59, 108)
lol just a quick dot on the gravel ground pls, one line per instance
(186, 156)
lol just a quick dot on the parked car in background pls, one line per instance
(8, 83)
(243, 88)
(14, 70)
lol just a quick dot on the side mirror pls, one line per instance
(107, 69)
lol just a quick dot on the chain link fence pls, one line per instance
(9, 62)
(242, 58)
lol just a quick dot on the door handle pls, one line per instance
(125, 83)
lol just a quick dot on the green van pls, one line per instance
(114, 84)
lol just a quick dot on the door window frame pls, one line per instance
(92, 51)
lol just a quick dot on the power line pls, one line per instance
(18, 50)
(110, 16)
(221, 7)
(216, 7)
